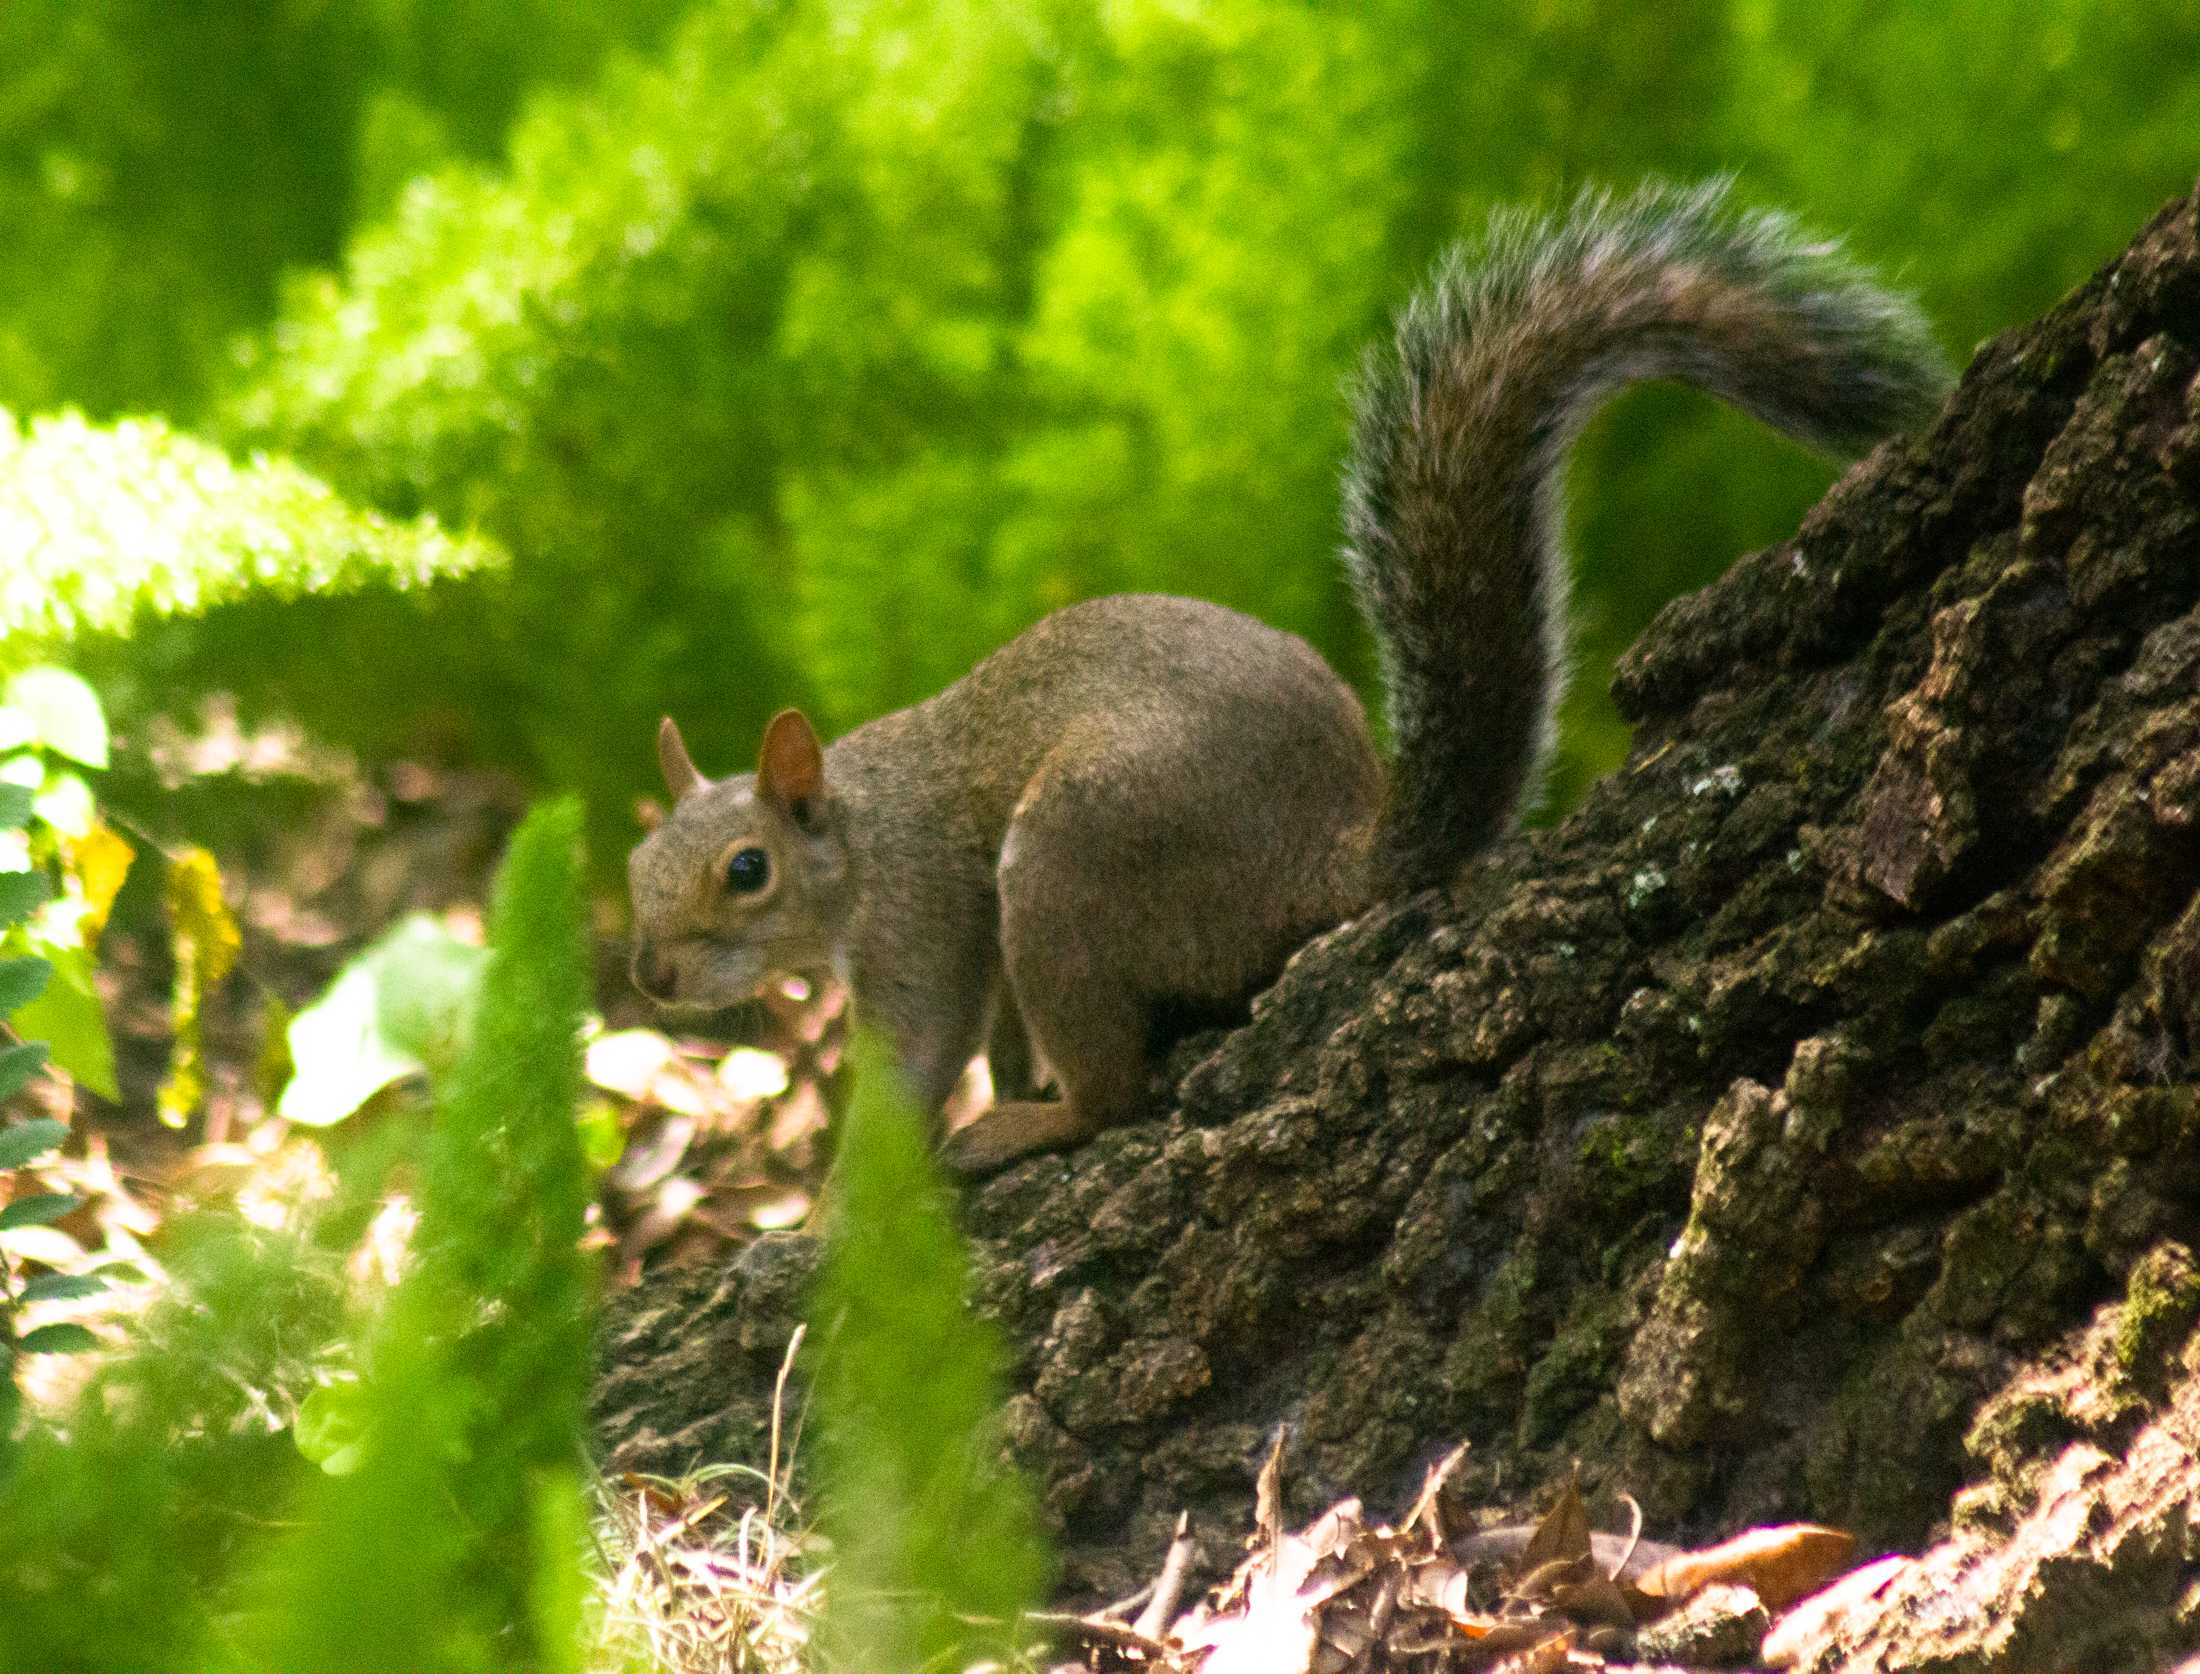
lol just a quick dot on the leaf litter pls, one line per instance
(1350, 1594)
(702, 1585)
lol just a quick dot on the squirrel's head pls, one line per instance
(746, 880)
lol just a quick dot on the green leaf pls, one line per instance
(558, 1591)
(928, 1530)
(68, 1017)
(428, 981)
(21, 981)
(63, 1287)
(17, 1065)
(39, 1209)
(63, 712)
(603, 1141)
(20, 893)
(25, 1140)
(65, 802)
(403, 1007)
(131, 520)
(56, 1339)
(15, 806)
(331, 1430)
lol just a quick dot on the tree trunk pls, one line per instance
(1745, 1137)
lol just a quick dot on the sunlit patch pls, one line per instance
(748, 1073)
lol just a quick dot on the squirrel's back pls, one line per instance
(1197, 716)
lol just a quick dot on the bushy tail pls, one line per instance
(1451, 501)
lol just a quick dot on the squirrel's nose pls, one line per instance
(654, 974)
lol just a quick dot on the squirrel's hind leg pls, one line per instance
(1069, 958)
(1094, 1039)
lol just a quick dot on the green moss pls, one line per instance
(1578, 1369)
(1628, 1163)
(2161, 1304)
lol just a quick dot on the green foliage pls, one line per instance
(22, 980)
(331, 1427)
(929, 1527)
(23, 1142)
(143, 228)
(170, 1523)
(401, 1007)
(160, 168)
(67, 868)
(101, 525)
(474, 1379)
(122, 1531)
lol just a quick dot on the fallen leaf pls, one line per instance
(627, 1061)
(751, 1075)
(1563, 1534)
(1779, 1564)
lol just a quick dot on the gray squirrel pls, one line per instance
(1145, 801)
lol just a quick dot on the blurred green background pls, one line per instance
(803, 352)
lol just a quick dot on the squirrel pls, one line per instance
(1146, 801)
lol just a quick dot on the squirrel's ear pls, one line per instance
(681, 778)
(791, 768)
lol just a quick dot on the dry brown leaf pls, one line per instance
(1501, 1638)
(1779, 1564)
(1564, 1531)
(1274, 1632)
(1425, 1513)
(1621, 1556)
(1437, 1584)
(1593, 1600)
(1268, 1495)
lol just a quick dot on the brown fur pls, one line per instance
(1141, 800)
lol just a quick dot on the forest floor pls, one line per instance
(319, 856)
(704, 1145)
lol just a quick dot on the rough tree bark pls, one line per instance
(1825, 1083)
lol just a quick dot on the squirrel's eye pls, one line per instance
(748, 871)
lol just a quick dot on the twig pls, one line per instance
(1096, 1630)
(1634, 1536)
(1424, 1506)
(779, 1395)
(1169, 1586)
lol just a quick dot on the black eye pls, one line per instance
(748, 871)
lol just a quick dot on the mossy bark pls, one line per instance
(1744, 1136)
